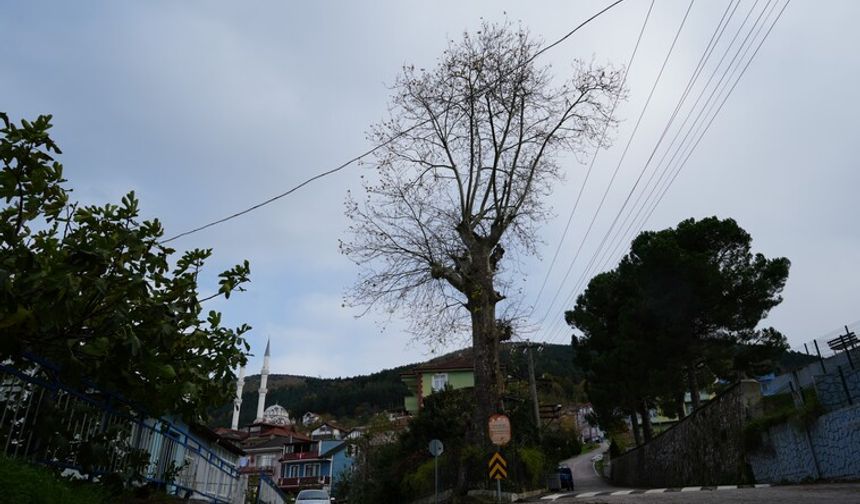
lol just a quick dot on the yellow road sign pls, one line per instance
(498, 467)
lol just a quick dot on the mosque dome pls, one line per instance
(277, 415)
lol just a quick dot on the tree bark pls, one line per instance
(680, 404)
(647, 431)
(693, 385)
(485, 344)
(634, 424)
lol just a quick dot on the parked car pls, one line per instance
(565, 477)
(313, 497)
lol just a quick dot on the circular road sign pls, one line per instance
(499, 428)
(436, 447)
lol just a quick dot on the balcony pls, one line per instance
(268, 469)
(304, 482)
(301, 455)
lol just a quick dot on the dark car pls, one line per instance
(565, 476)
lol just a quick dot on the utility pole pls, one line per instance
(533, 386)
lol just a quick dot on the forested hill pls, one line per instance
(353, 400)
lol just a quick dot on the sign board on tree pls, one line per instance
(436, 447)
(499, 428)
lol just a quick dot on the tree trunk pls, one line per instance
(634, 424)
(693, 385)
(485, 348)
(482, 298)
(680, 405)
(647, 431)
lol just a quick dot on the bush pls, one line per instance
(535, 463)
(24, 482)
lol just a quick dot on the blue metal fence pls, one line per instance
(45, 420)
(268, 491)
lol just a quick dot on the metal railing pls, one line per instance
(268, 492)
(844, 341)
(45, 420)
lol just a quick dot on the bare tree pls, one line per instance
(470, 152)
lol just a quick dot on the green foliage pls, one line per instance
(780, 409)
(558, 445)
(22, 482)
(92, 289)
(536, 465)
(681, 308)
(420, 481)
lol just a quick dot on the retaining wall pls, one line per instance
(827, 449)
(705, 448)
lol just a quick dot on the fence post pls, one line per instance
(845, 386)
(259, 487)
(820, 358)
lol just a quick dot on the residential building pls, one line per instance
(313, 463)
(328, 430)
(588, 432)
(454, 372)
(310, 418)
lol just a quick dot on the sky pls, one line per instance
(204, 108)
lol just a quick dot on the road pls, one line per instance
(585, 479)
(838, 493)
(588, 483)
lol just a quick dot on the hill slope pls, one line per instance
(353, 400)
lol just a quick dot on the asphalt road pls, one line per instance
(584, 477)
(588, 482)
(839, 493)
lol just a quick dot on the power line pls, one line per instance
(593, 159)
(600, 251)
(696, 73)
(621, 160)
(379, 146)
(756, 29)
(701, 113)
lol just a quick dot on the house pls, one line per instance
(263, 441)
(313, 463)
(588, 432)
(328, 430)
(310, 418)
(456, 372)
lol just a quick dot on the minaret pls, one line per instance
(264, 378)
(237, 402)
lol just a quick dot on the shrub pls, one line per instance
(535, 465)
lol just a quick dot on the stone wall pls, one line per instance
(705, 448)
(838, 389)
(827, 449)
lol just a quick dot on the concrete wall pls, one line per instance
(827, 449)
(706, 448)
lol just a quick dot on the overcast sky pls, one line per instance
(204, 108)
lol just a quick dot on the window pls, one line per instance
(294, 471)
(312, 470)
(439, 381)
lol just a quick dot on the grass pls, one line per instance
(24, 482)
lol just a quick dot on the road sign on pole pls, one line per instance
(498, 467)
(436, 448)
(499, 428)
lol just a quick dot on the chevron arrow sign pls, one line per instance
(498, 467)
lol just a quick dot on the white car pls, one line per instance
(313, 497)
